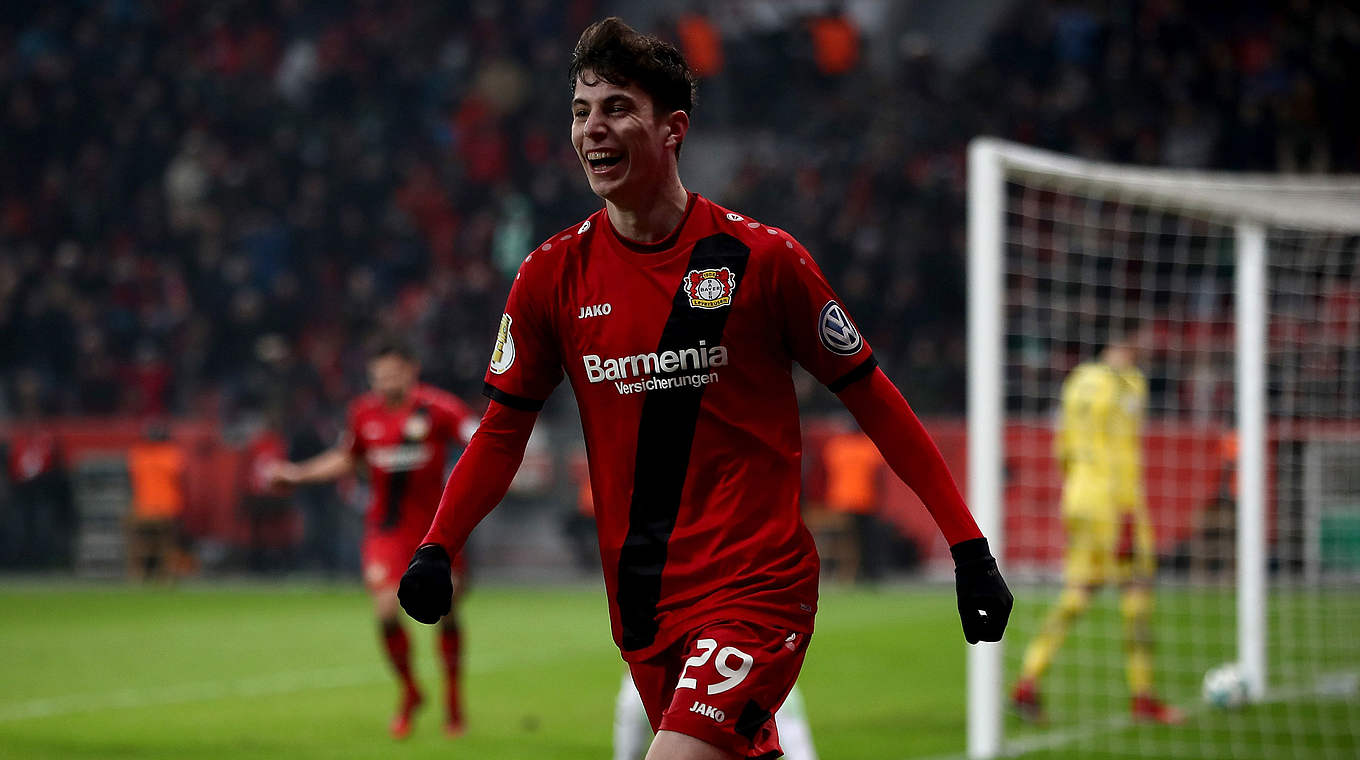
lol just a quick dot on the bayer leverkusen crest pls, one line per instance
(710, 288)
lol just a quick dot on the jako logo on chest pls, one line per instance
(595, 310)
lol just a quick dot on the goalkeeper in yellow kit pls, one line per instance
(1109, 536)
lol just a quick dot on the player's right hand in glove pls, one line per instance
(984, 601)
(426, 590)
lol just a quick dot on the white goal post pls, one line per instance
(1249, 207)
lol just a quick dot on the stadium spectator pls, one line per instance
(578, 523)
(700, 42)
(1211, 550)
(272, 517)
(170, 174)
(39, 501)
(309, 433)
(156, 469)
(835, 42)
(853, 472)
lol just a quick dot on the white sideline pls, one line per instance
(286, 682)
(276, 683)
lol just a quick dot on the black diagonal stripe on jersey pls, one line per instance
(396, 491)
(397, 482)
(665, 437)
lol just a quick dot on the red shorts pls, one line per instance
(722, 684)
(386, 555)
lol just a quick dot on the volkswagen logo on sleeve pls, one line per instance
(837, 332)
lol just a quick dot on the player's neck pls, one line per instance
(653, 217)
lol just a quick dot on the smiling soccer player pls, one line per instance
(677, 323)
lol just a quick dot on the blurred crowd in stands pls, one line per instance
(206, 208)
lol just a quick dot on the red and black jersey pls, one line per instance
(405, 448)
(680, 355)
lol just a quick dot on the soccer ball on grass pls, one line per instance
(1225, 687)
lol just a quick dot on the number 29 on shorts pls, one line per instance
(722, 662)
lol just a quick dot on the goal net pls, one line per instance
(1239, 297)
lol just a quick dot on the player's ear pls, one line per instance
(677, 126)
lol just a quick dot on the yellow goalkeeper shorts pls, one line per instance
(1103, 550)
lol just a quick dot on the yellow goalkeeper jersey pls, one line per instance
(1099, 440)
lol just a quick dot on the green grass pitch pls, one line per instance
(1311, 643)
(295, 672)
(270, 672)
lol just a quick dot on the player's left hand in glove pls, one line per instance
(426, 590)
(984, 601)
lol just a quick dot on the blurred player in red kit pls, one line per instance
(401, 431)
(677, 323)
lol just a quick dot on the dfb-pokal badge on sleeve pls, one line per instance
(504, 355)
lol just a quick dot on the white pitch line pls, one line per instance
(258, 686)
(954, 756)
(1339, 685)
(286, 682)
(1051, 740)
(1056, 739)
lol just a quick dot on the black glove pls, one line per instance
(984, 601)
(426, 591)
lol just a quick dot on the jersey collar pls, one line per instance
(659, 246)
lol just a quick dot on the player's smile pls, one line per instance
(601, 161)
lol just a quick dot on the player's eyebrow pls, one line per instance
(607, 100)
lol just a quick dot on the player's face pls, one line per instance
(1124, 354)
(625, 148)
(392, 377)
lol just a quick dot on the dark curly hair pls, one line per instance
(618, 54)
(388, 344)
